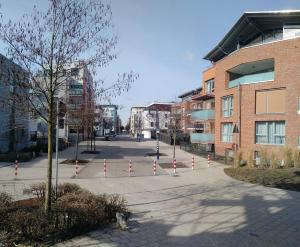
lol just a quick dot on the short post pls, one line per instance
(130, 168)
(154, 168)
(16, 168)
(76, 168)
(104, 168)
(174, 166)
(208, 160)
(193, 162)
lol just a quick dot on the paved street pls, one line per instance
(203, 207)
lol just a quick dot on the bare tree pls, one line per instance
(175, 127)
(43, 43)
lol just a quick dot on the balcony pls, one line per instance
(202, 138)
(205, 114)
(255, 78)
(75, 92)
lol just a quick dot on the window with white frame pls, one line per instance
(226, 132)
(227, 106)
(210, 86)
(270, 132)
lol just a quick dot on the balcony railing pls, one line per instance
(202, 138)
(255, 78)
(75, 92)
(205, 114)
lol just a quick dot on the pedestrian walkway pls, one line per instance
(203, 207)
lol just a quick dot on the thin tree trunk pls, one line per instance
(77, 140)
(91, 143)
(49, 170)
(174, 145)
(94, 142)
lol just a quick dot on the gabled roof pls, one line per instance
(249, 26)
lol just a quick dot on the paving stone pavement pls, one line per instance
(203, 207)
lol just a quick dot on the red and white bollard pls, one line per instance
(76, 168)
(16, 168)
(174, 166)
(130, 168)
(193, 162)
(104, 168)
(208, 160)
(154, 168)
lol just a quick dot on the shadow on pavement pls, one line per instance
(271, 218)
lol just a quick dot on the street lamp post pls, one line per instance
(157, 135)
(56, 146)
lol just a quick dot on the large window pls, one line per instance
(226, 132)
(210, 86)
(270, 101)
(227, 106)
(270, 132)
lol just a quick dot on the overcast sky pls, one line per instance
(164, 41)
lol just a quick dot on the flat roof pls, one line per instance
(190, 92)
(249, 26)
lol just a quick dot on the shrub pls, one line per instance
(250, 158)
(75, 211)
(5, 200)
(238, 156)
(11, 157)
(264, 158)
(38, 190)
(296, 158)
(288, 157)
(274, 161)
(68, 188)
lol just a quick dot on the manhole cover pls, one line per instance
(170, 165)
(154, 154)
(72, 162)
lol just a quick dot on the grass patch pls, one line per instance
(288, 179)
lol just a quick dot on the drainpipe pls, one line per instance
(239, 116)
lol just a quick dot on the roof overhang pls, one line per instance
(203, 97)
(249, 26)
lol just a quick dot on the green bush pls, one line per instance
(288, 157)
(296, 158)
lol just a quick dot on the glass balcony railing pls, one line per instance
(202, 137)
(204, 114)
(75, 92)
(255, 78)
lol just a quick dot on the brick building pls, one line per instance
(189, 104)
(255, 77)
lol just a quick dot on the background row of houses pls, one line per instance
(250, 96)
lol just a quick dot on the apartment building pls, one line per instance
(155, 117)
(77, 96)
(252, 90)
(14, 123)
(106, 120)
(189, 106)
(136, 120)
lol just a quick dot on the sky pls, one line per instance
(164, 41)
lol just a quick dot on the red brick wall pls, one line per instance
(286, 56)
